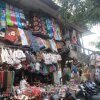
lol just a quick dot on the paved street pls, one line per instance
(96, 97)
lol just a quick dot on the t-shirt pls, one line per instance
(23, 84)
(74, 69)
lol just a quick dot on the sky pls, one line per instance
(89, 38)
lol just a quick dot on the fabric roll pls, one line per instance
(5, 81)
(1, 78)
(12, 80)
(1, 81)
(9, 79)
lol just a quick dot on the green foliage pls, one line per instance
(81, 12)
(96, 43)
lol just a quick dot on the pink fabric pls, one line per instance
(36, 91)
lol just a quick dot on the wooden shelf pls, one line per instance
(41, 35)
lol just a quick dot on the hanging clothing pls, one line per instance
(74, 69)
(49, 27)
(74, 38)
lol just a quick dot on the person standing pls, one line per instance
(66, 74)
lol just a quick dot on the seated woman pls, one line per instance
(23, 91)
(24, 84)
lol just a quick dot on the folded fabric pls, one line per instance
(40, 42)
(23, 21)
(53, 45)
(18, 19)
(13, 16)
(8, 16)
(28, 38)
(12, 34)
(23, 37)
(2, 16)
(34, 44)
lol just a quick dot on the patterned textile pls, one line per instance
(22, 17)
(2, 16)
(44, 31)
(13, 16)
(34, 44)
(8, 82)
(49, 27)
(12, 34)
(37, 26)
(8, 16)
(18, 19)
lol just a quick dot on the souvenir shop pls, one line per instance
(32, 46)
(29, 47)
